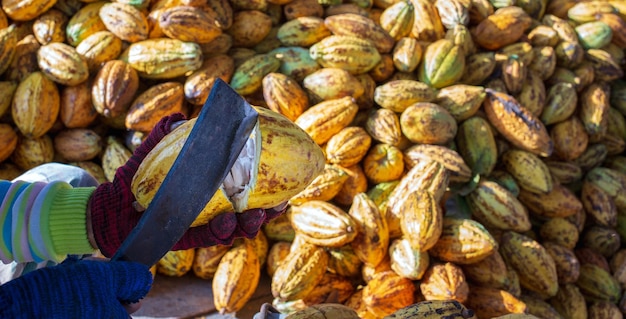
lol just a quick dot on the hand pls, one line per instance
(114, 211)
(112, 214)
(76, 289)
(225, 227)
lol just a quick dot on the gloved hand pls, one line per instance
(113, 215)
(224, 228)
(76, 289)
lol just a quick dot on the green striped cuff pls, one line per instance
(68, 224)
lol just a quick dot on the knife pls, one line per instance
(216, 139)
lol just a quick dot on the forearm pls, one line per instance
(76, 289)
(43, 221)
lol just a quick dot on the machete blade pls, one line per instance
(216, 140)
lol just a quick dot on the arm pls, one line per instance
(63, 220)
(43, 221)
(76, 289)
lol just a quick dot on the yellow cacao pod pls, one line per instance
(275, 256)
(534, 266)
(153, 104)
(503, 27)
(176, 263)
(302, 31)
(323, 120)
(302, 270)
(488, 302)
(529, 171)
(351, 24)
(463, 241)
(99, 48)
(322, 223)
(427, 24)
(588, 10)
(348, 147)
(284, 95)
(36, 105)
(398, 95)
(422, 220)
(26, 10)
(62, 64)
(23, 57)
(494, 206)
(388, 292)
(275, 160)
(407, 54)
(539, 307)
(436, 124)
(343, 262)
(249, 27)
(372, 239)
(330, 284)
(125, 21)
(569, 302)
(189, 24)
(488, 272)
(406, 260)
(356, 183)
(236, 278)
(223, 12)
(207, 259)
(397, 19)
(516, 123)
(8, 141)
(461, 100)
(383, 163)
(198, 85)
(114, 88)
(560, 202)
(430, 176)
(444, 281)
(337, 51)
(443, 64)
(478, 67)
(50, 27)
(453, 162)
(452, 13)
(84, 23)
(567, 264)
(248, 76)
(570, 139)
(7, 88)
(114, 156)
(77, 144)
(31, 152)
(324, 187)
(163, 58)
(279, 229)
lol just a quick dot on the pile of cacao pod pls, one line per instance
(475, 148)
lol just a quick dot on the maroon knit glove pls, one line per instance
(225, 227)
(112, 213)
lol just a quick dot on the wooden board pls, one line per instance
(191, 297)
